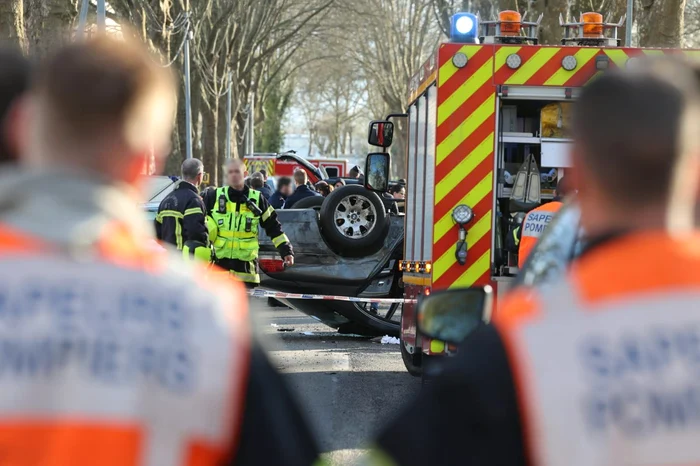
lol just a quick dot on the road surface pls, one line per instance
(347, 386)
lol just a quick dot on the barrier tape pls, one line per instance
(260, 293)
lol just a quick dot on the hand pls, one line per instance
(288, 261)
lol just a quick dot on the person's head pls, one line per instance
(300, 177)
(563, 188)
(236, 174)
(324, 188)
(192, 171)
(339, 184)
(636, 152)
(263, 172)
(14, 82)
(397, 191)
(257, 181)
(355, 172)
(103, 107)
(285, 186)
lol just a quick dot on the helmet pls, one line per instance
(194, 250)
(213, 230)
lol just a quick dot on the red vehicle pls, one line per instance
(334, 168)
(487, 119)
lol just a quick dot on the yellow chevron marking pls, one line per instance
(653, 52)
(448, 69)
(692, 54)
(617, 56)
(583, 56)
(532, 65)
(471, 275)
(466, 166)
(469, 87)
(473, 197)
(481, 228)
(465, 128)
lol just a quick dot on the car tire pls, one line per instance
(354, 221)
(413, 362)
(312, 202)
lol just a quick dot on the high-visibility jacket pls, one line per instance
(533, 226)
(114, 354)
(236, 244)
(237, 227)
(606, 361)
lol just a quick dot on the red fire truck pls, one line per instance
(487, 117)
(334, 167)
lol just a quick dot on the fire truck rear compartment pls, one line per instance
(522, 132)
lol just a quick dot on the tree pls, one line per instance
(269, 135)
(661, 23)
(12, 22)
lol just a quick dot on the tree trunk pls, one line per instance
(210, 140)
(550, 32)
(12, 23)
(48, 24)
(661, 23)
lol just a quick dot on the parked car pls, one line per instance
(157, 188)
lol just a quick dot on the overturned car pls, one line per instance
(347, 244)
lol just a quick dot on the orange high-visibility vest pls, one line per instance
(121, 360)
(607, 362)
(533, 226)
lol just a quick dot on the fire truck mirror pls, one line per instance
(452, 315)
(377, 172)
(381, 133)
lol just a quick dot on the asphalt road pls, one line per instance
(347, 386)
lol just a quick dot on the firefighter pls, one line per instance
(119, 354)
(536, 221)
(238, 211)
(597, 368)
(180, 217)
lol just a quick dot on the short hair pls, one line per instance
(284, 181)
(263, 172)
(396, 188)
(356, 169)
(256, 180)
(300, 177)
(563, 187)
(631, 127)
(102, 92)
(14, 81)
(341, 181)
(191, 168)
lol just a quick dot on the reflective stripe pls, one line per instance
(193, 211)
(169, 213)
(178, 234)
(280, 240)
(246, 277)
(267, 214)
(232, 241)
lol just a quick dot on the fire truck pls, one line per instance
(335, 168)
(487, 117)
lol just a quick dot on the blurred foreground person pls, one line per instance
(114, 355)
(600, 368)
(180, 216)
(14, 80)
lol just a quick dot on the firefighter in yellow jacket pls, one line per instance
(236, 211)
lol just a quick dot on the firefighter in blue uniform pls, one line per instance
(180, 220)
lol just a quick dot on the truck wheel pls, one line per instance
(354, 221)
(412, 361)
(309, 203)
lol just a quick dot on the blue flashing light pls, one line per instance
(464, 28)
